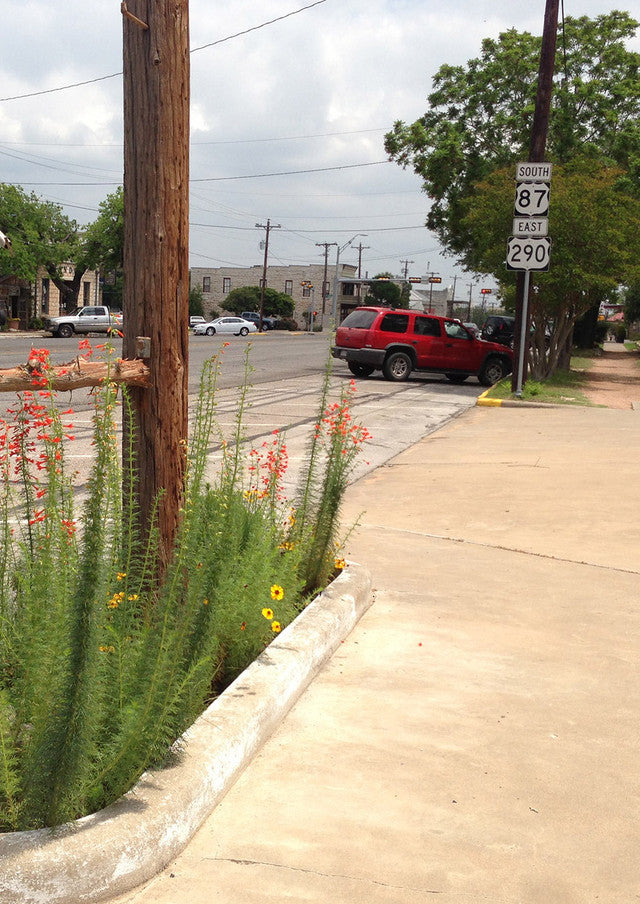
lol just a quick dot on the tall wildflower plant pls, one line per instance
(335, 445)
(101, 668)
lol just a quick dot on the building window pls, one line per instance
(45, 296)
(206, 283)
(327, 289)
(226, 285)
(86, 293)
(306, 291)
(348, 288)
(288, 286)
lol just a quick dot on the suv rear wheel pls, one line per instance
(397, 367)
(360, 370)
(493, 370)
(456, 378)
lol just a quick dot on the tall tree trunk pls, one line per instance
(156, 250)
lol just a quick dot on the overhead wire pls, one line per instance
(103, 78)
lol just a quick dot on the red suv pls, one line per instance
(397, 342)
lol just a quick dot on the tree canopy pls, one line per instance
(247, 298)
(478, 125)
(384, 293)
(43, 236)
(479, 116)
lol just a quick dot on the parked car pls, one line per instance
(225, 326)
(473, 328)
(88, 319)
(499, 328)
(398, 342)
(196, 318)
(268, 323)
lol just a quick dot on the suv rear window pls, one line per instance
(394, 323)
(359, 320)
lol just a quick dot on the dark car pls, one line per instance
(398, 342)
(499, 328)
(268, 323)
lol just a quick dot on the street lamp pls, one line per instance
(334, 304)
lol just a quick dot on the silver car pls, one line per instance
(237, 326)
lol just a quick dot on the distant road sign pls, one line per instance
(534, 226)
(532, 199)
(533, 171)
(528, 254)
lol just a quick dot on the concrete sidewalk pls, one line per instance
(476, 738)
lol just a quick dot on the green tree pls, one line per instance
(196, 305)
(479, 116)
(247, 298)
(41, 235)
(632, 302)
(595, 224)
(478, 123)
(384, 293)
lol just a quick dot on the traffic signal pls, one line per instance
(485, 291)
(435, 279)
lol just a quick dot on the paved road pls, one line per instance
(286, 373)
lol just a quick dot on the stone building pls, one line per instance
(48, 302)
(317, 295)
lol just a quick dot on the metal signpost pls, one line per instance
(529, 248)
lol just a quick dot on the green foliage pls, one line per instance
(247, 298)
(102, 668)
(103, 240)
(595, 224)
(632, 302)
(479, 116)
(196, 301)
(40, 233)
(384, 293)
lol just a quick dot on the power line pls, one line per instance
(103, 78)
(322, 169)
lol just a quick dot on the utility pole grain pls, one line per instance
(156, 249)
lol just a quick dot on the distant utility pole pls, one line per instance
(537, 148)
(406, 268)
(361, 248)
(263, 284)
(156, 253)
(469, 305)
(326, 246)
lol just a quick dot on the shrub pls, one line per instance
(620, 332)
(102, 666)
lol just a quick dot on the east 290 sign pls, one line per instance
(528, 253)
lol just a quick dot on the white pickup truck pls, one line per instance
(98, 319)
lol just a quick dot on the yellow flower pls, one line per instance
(277, 593)
(276, 627)
(268, 614)
(132, 596)
(205, 602)
(121, 575)
(340, 563)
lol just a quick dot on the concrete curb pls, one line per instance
(485, 402)
(110, 852)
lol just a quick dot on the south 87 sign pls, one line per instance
(528, 253)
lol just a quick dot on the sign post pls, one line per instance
(529, 248)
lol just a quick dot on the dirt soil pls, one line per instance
(614, 378)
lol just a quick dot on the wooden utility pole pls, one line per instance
(537, 148)
(156, 249)
(263, 283)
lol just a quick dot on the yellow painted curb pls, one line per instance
(488, 403)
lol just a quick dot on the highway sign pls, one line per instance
(526, 172)
(532, 199)
(524, 226)
(528, 253)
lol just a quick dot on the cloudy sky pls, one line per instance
(315, 90)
